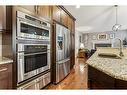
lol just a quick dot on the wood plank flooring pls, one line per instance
(77, 79)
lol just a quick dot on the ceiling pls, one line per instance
(98, 18)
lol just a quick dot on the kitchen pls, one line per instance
(58, 47)
(36, 45)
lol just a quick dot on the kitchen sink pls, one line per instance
(109, 55)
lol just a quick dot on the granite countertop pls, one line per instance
(116, 68)
(4, 60)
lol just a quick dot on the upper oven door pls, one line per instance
(31, 29)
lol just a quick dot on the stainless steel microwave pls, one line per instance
(31, 27)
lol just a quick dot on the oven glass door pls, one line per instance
(35, 61)
(30, 30)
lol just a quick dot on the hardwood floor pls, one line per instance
(77, 79)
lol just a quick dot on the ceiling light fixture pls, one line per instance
(117, 26)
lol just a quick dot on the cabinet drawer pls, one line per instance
(44, 80)
(31, 85)
(37, 83)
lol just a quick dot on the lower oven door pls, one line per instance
(32, 64)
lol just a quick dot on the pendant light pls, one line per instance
(117, 26)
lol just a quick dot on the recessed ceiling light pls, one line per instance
(77, 6)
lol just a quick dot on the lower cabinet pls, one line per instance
(38, 83)
(100, 80)
(6, 76)
(43, 81)
(30, 85)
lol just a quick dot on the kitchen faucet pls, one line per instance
(121, 52)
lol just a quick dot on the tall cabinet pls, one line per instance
(63, 17)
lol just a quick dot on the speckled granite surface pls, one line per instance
(116, 68)
(4, 60)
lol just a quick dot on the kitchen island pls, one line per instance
(107, 73)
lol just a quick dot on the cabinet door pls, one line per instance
(30, 87)
(56, 13)
(44, 80)
(6, 76)
(44, 11)
(64, 18)
(29, 8)
(69, 23)
(72, 50)
(73, 26)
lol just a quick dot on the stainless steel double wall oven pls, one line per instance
(33, 46)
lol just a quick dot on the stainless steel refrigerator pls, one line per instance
(62, 63)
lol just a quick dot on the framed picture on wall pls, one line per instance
(111, 36)
(102, 36)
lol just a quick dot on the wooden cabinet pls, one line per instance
(6, 76)
(72, 50)
(64, 18)
(56, 13)
(69, 23)
(73, 27)
(44, 11)
(38, 83)
(100, 80)
(29, 8)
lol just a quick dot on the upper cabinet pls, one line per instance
(29, 8)
(56, 13)
(64, 18)
(44, 11)
(73, 26)
(70, 23)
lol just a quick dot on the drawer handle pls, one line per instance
(4, 69)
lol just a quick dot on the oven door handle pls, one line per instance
(35, 53)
